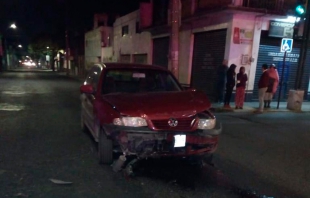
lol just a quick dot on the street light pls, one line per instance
(3, 47)
(20, 46)
(13, 26)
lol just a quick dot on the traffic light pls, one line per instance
(300, 8)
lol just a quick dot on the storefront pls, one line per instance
(140, 58)
(208, 55)
(269, 52)
(161, 51)
(125, 58)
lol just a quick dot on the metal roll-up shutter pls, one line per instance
(125, 58)
(161, 51)
(208, 55)
(269, 52)
(140, 58)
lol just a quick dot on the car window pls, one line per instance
(138, 80)
(93, 77)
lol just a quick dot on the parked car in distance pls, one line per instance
(29, 64)
(142, 110)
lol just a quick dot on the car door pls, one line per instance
(88, 99)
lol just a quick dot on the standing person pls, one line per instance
(230, 84)
(221, 76)
(242, 78)
(273, 85)
(262, 88)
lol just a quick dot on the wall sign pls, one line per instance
(244, 59)
(278, 56)
(242, 36)
(281, 29)
(286, 45)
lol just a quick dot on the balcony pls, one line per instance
(271, 5)
(190, 7)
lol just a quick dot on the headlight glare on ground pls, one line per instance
(206, 123)
(130, 121)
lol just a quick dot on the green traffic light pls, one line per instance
(300, 10)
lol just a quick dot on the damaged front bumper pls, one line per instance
(146, 143)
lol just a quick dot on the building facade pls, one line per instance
(246, 33)
(99, 42)
(130, 43)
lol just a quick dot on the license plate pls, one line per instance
(179, 140)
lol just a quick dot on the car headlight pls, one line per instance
(206, 123)
(130, 121)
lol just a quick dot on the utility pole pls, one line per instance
(1, 54)
(67, 53)
(303, 49)
(281, 81)
(174, 47)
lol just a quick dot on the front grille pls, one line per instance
(184, 124)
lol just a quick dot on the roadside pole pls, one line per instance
(174, 48)
(286, 47)
(281, 82)
(67, 53)
(1, 53)
(303, 49)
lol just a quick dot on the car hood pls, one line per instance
(159, 105)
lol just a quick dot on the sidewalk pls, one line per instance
(252, 106)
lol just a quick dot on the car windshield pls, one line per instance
(138, 80)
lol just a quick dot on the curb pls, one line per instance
(252, 110)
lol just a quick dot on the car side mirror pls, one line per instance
(187, 88)
(87, 89)
(190, 89)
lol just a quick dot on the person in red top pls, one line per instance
(262, 87)
(273, 84)
(242, 78)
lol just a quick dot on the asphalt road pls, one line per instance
(40, 139)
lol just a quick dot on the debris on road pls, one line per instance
(117, 165)
(56, 181)
(20, 195)
(2, 171)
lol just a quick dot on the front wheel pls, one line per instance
(105, 149)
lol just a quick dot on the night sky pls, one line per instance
(33, 17)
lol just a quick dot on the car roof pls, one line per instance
(132, 65)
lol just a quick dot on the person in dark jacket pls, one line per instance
(242, 78)
(230, 84)
(262, 87)
(221, 76)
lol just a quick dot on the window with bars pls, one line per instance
(125, 30)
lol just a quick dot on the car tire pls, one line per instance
(105, 149)
(83, 126)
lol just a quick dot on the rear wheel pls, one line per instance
(83, 126)
(105, 149)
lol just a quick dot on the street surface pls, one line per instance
(40, 139)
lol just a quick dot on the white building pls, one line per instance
(130, 44)
(99, 42)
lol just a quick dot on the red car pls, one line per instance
(143, 111)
